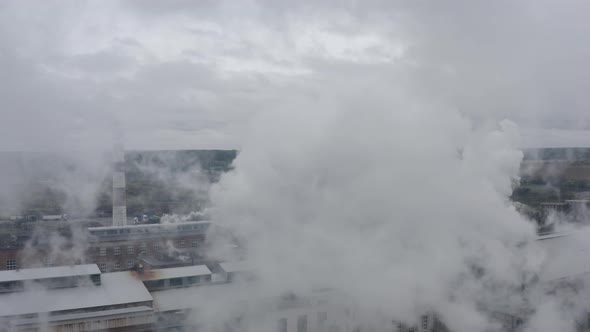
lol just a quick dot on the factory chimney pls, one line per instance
(119, 195)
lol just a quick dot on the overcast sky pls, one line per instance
(182, 74)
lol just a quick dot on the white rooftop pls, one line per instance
(236, 266)
(176, 272)
(567, 255)
(228, 295)
(199, 297)
(49, 272)
(117, 288)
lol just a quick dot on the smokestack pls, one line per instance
(119, 196)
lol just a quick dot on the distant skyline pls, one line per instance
(196, 74)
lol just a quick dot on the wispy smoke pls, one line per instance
(51, 183)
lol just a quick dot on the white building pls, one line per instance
(72, 298)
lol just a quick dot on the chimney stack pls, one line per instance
(119, 195)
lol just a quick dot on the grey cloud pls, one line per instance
(523, 60)
(100, 62)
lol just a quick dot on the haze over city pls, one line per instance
(294, 165)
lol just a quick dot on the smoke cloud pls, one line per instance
(395, 206)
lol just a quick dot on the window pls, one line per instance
(302, 323)
(11, 264)
(102, 267)
(282, 325)
(182, 244)
(424, 323)
(195, 243)
(153, 284)
(116, 251)
(156, 247)
(411, 329)
(143, 248)
(102, 252)
(117, 266)
(130, 249)
(129, 264)
(322, 317)
(193, 280)
(176, 282)
(11, 286)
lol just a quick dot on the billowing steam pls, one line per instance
(406, 210)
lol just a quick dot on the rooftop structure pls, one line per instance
(49, 278)
(116, 290)
(174, 277)
(238, 266)
(49, 273)
(175, 272)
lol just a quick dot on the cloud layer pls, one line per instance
(183, 74)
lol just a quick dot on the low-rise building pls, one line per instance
(73, 298)
(111, 248)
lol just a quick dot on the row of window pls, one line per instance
(423, 325)
(176, 282)
(148, 229)
(143, 248)
(11, 264)
(322, 317)
(115, 267)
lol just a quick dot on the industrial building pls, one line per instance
(81, 298)
(156, 245)
(73, 298)
(116, 248)
(114, 245)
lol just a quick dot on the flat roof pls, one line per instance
(236, 266)
(552, 235)
(175, 272)
(49, 272)
(566, 255)
(199, 297)
(116, 288)
(228, 295)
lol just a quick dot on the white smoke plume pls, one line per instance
(393, 205)
(178, 218)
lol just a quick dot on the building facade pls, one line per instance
(111, 248)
